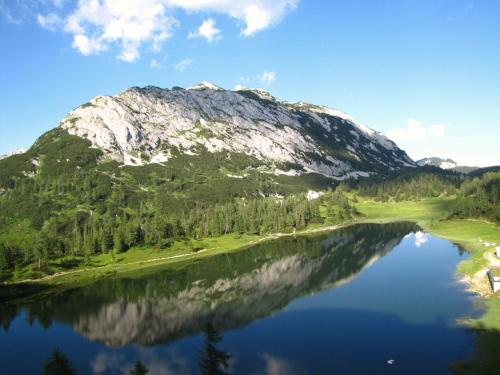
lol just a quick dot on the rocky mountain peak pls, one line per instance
(146, 125)
(438, 162)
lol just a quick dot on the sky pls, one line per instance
(424, 72)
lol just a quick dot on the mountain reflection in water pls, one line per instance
(228, 291)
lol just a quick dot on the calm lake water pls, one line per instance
(344, 302)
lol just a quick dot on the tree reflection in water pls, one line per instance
(212, 360)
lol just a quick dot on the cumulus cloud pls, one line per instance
(257, 15)
(88, 46)
(183, 64)
(415, 131)
(207, 30)
(97, 25)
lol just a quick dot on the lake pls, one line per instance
(367, 299)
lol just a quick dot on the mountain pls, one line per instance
(445, 164)
(150, 166)
(152, 125)
(245, 130)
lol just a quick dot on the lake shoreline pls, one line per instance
(477, 281)
(69, 279)
(470, 234)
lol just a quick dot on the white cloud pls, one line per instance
(50, 22)
(239, 87)
(416, 132)
(256, 14)
(88, 46)
(183, 64)
(267, 78)
(207, 30)
(96, 25)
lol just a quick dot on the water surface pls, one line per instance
(344, 302)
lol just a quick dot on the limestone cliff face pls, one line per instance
(146, 125)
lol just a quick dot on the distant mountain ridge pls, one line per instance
(448, 164)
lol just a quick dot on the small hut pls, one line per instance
(494, 276)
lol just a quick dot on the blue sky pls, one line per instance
(425, 72)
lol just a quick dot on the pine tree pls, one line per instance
(58, 364)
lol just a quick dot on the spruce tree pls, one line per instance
(58, 364)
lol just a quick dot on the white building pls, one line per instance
(498, 251)
(494, 276)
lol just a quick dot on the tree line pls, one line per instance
(479, 197)
(412, 184)
(84, 233)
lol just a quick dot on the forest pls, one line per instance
(62, 200)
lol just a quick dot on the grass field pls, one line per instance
(425, 212)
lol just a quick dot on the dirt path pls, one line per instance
(59, 274)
